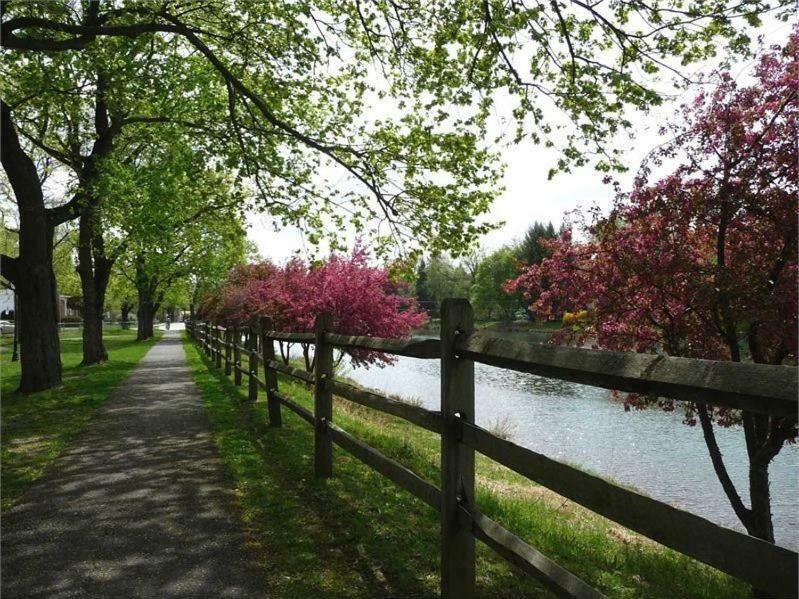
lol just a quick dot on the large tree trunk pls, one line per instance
(146, 314)
(32, 272)
(760, 522)
(94, 351)
(149, 299)
(94, 266)
(145, 311)
(765, 437)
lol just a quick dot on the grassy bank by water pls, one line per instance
(35, 428)
(359, 535)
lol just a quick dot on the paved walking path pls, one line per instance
(138, 506)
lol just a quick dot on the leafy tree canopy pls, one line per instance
(487, 293)
(445, 279)
(369, 114)
(694, 263)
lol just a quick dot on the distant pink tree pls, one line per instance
(701, 263)
(363, 300)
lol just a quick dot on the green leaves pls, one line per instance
(372, 114)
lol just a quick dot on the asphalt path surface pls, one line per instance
(139, 505)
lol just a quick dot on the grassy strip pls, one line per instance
(358, 535)
(35, 428)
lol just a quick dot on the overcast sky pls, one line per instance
(528, 195)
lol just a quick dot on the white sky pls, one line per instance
(528, 195)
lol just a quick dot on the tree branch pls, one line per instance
(9, 268)
(743, 513)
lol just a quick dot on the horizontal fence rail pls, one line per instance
(528, 559)
(404, 477)
(428, 419)
(749, 558)
(421, 348)
(758, 388)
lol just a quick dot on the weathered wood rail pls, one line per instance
(755, 387)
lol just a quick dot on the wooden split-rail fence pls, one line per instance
(755, 387)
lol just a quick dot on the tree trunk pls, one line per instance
(761, 525)
(32, 272)
(148, 305)
(124, 314)
(146, 315)
(94, 268)
(144, 329)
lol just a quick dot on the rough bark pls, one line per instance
(146, 317)
(743, 513)
(761, 525)
(149, 300)
(94, 351)
(32, 273)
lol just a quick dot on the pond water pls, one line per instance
(650, 450)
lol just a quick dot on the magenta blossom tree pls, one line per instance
(363, 299)
(703, 262)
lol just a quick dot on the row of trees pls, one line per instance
(144, 256)
(280, 95)
(363, 300)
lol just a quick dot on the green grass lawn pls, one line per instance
(359, 535)
(35, 428)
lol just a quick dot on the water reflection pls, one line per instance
(650, 450)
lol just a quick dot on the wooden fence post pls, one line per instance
(228, 350)
(208, 339)
(323, 398)
(253, 364)
(457, 460)
(218, 343)
(270, 376)
(236, 355)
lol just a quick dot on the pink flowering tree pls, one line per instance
(363, 299)
(701, 263)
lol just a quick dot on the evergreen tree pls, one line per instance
(530, 250)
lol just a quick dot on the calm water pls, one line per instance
(650, 450)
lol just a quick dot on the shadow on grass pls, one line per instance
(359, 535)
(337, 538)
(36, 427)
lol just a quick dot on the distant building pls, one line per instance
(7, 306)
(69, 306)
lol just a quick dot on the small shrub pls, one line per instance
(502, 427)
